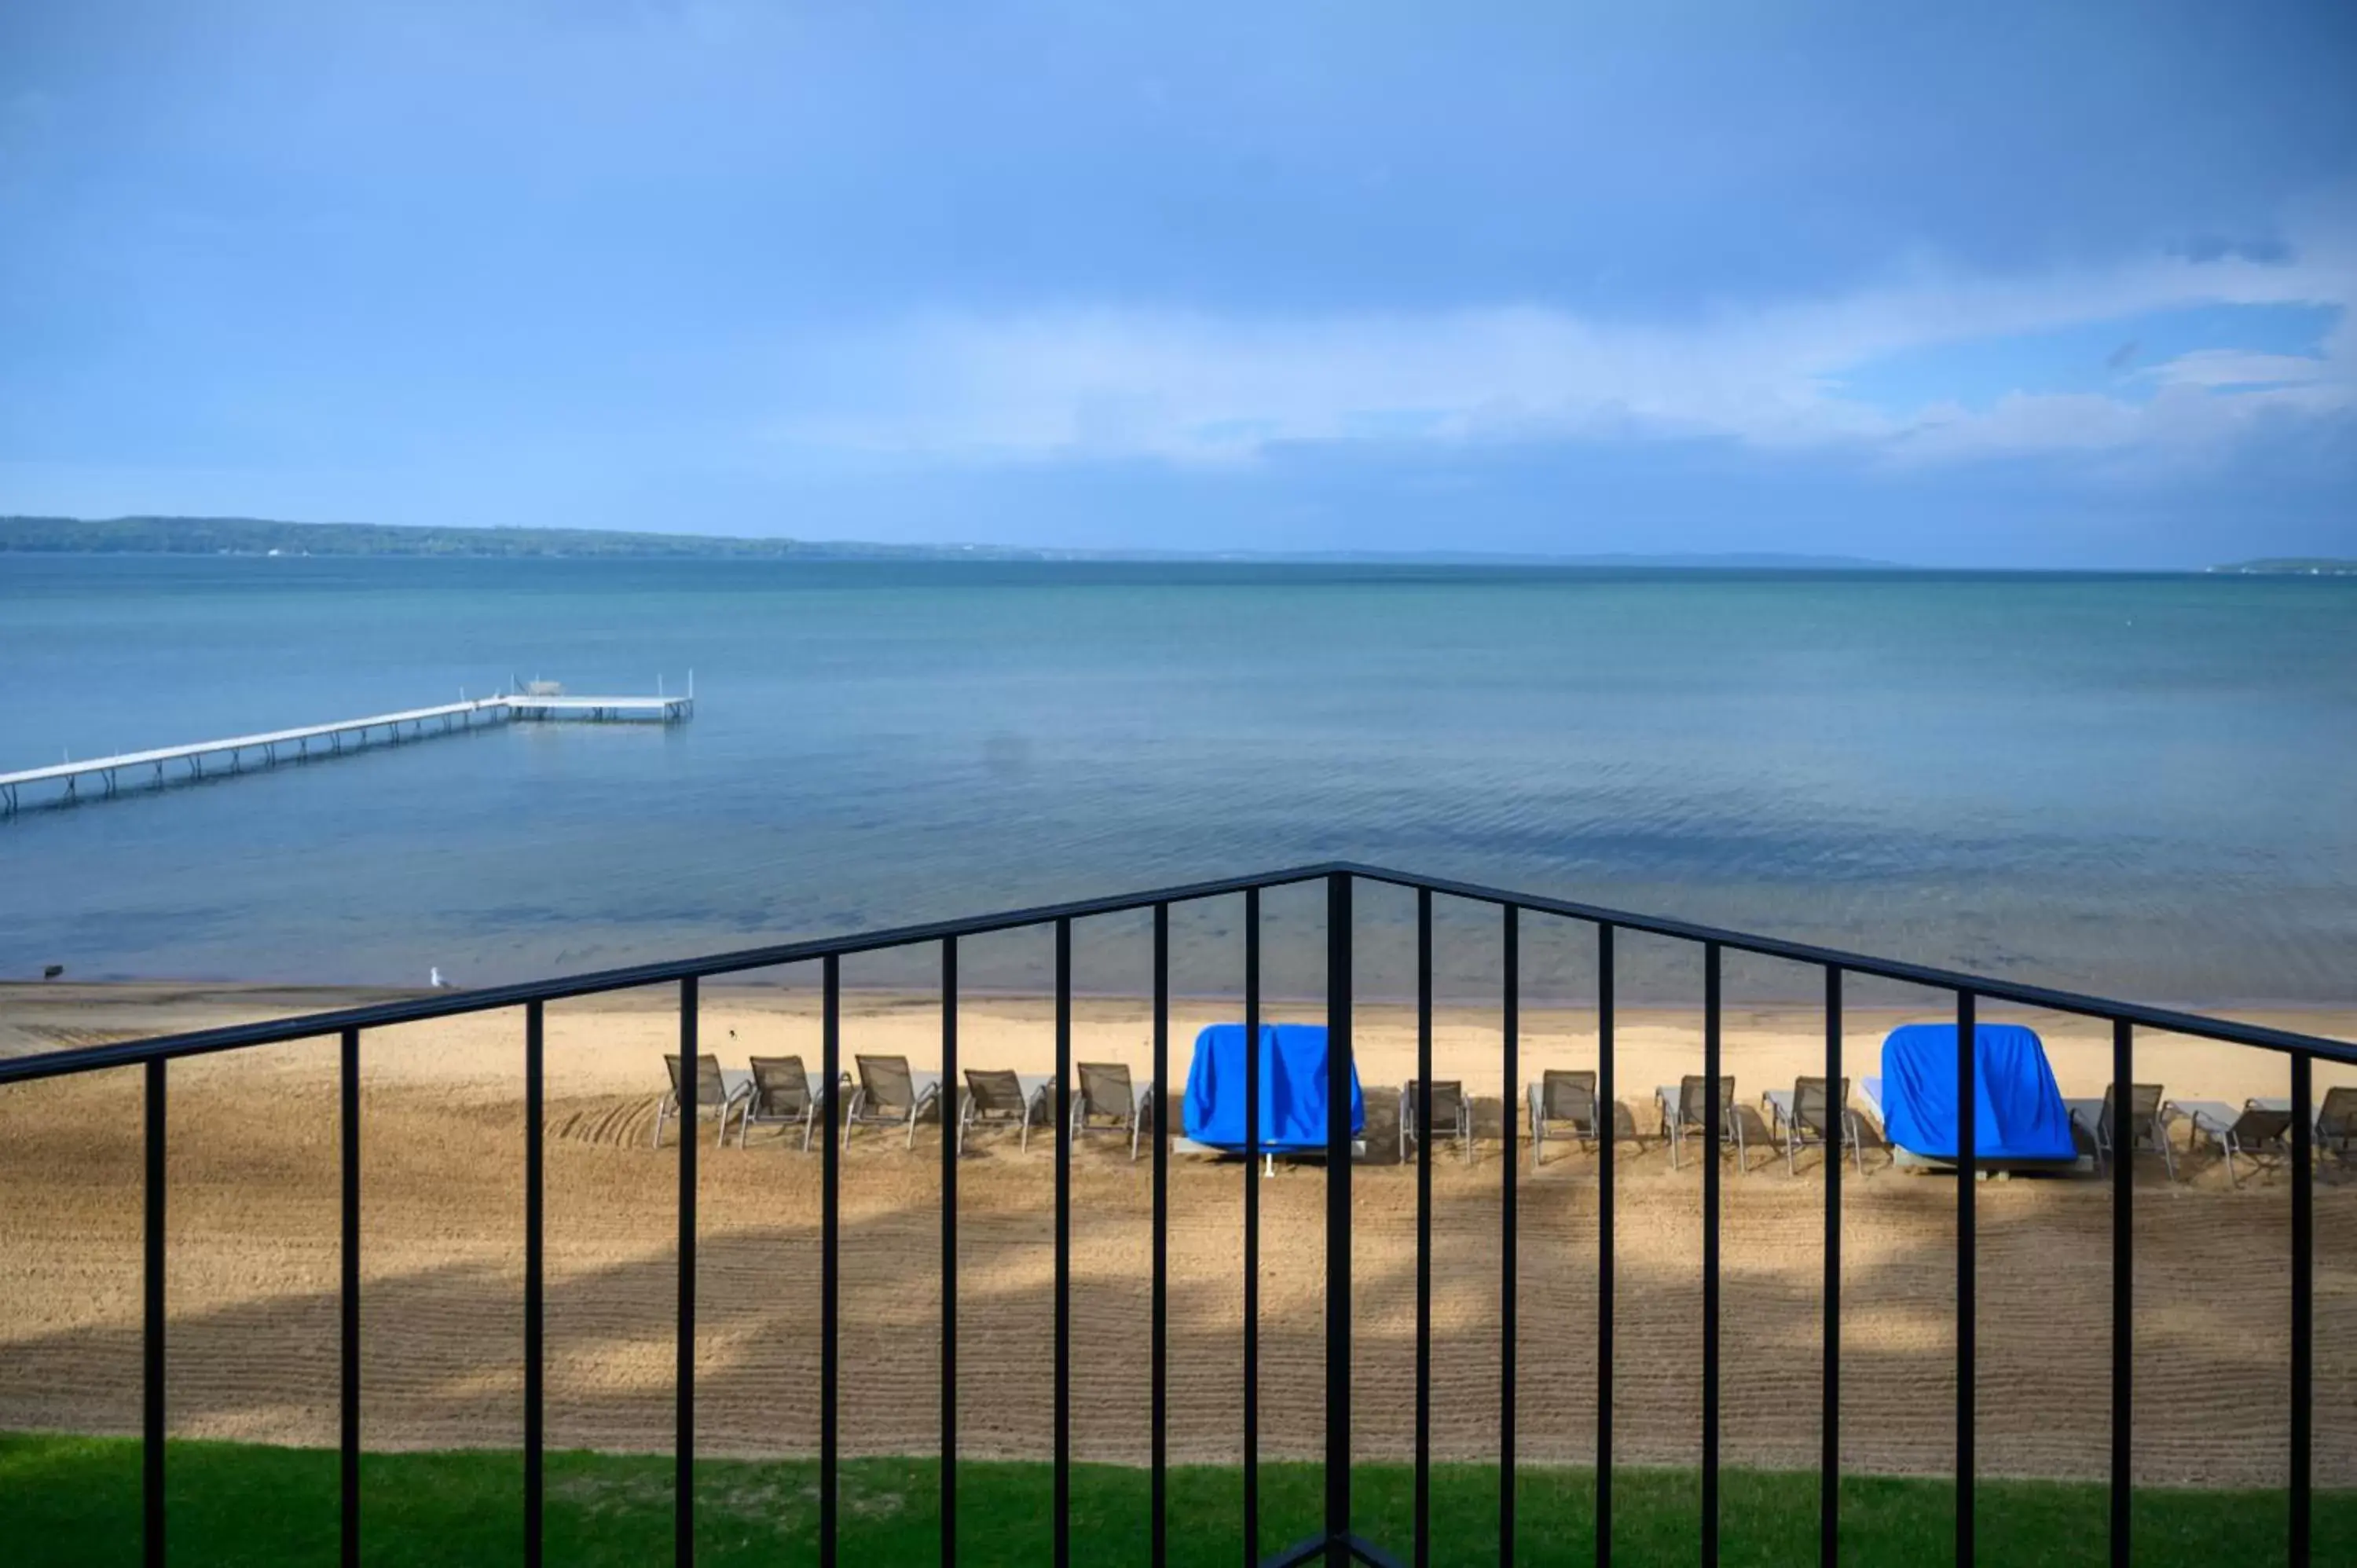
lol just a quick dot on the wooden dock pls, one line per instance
(107, 775)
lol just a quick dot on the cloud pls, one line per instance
(1201, 387)
(2234, 367)
(2217, 248)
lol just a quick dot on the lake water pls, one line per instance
(2144, 785)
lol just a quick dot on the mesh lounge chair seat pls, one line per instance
(717, 1093)
(1802, 1120)
(2146, 1130)
(1108, 1102)
(1683, 1110)
(998, 1099)
(2336, 1124)
(2259, 1133)
(1564, 1103)
(890, 1095)
(1439, 1106)
(781, 1096)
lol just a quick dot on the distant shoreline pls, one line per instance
(261, 537)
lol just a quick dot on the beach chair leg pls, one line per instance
(851, 1116)
(662, 1110)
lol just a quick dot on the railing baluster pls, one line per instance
(1158, 1529)
(1340, 1075)
(830, 1257)
(1967, 1263)
(1422, 1229)
(948, 1104)
(1509, 1271)
(2303, 1298)
(151, 1414)
(1829, 1421)
(691, 1095)
(2123, 1302)
(1252, 1228)
(1608, 1107)
(534, 1346)
(349, 1457)
(1063, 1493)
(1714, 1129)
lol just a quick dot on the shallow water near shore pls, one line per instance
(2137, 784)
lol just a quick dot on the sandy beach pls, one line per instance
(253, 1253)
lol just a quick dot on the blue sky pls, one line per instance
(2027, 284)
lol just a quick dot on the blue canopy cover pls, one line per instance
(2018, 1110)
(1292, 1089)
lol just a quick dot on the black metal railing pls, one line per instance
(1336, 1544)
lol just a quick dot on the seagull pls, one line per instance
(433, 978)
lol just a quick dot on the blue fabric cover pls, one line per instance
(2017, 1110)
(1292, 1089)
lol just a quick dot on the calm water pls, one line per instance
(2138, 784)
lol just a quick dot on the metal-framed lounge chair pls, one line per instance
(1108, 1102)
(1564, 1101)
(1439, 1106)
(2336, 1123)
(717, 1093)
(1682, 1116)
(890, 1095)
(783, 1096)
(1803, 1120)
(2259, 1133)
(995, 1097)
(2145, 1128)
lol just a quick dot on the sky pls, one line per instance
(1998, 285)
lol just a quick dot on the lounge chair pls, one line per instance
(2336, 1124)
(1803, 1120)
(1439, 1106)
(717, 1093)
(998, 1099)
(2259, 1133)
(2146, 1130)
(1108, 1102)
(781, 1096)
(1684, 1112)
(1565, 1100)
(890, 1095)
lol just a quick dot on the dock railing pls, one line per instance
(1337, 1542)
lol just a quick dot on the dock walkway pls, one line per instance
(329, 739)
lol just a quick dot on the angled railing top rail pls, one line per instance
(278, 1031)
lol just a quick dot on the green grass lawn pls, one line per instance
(75, 1501)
